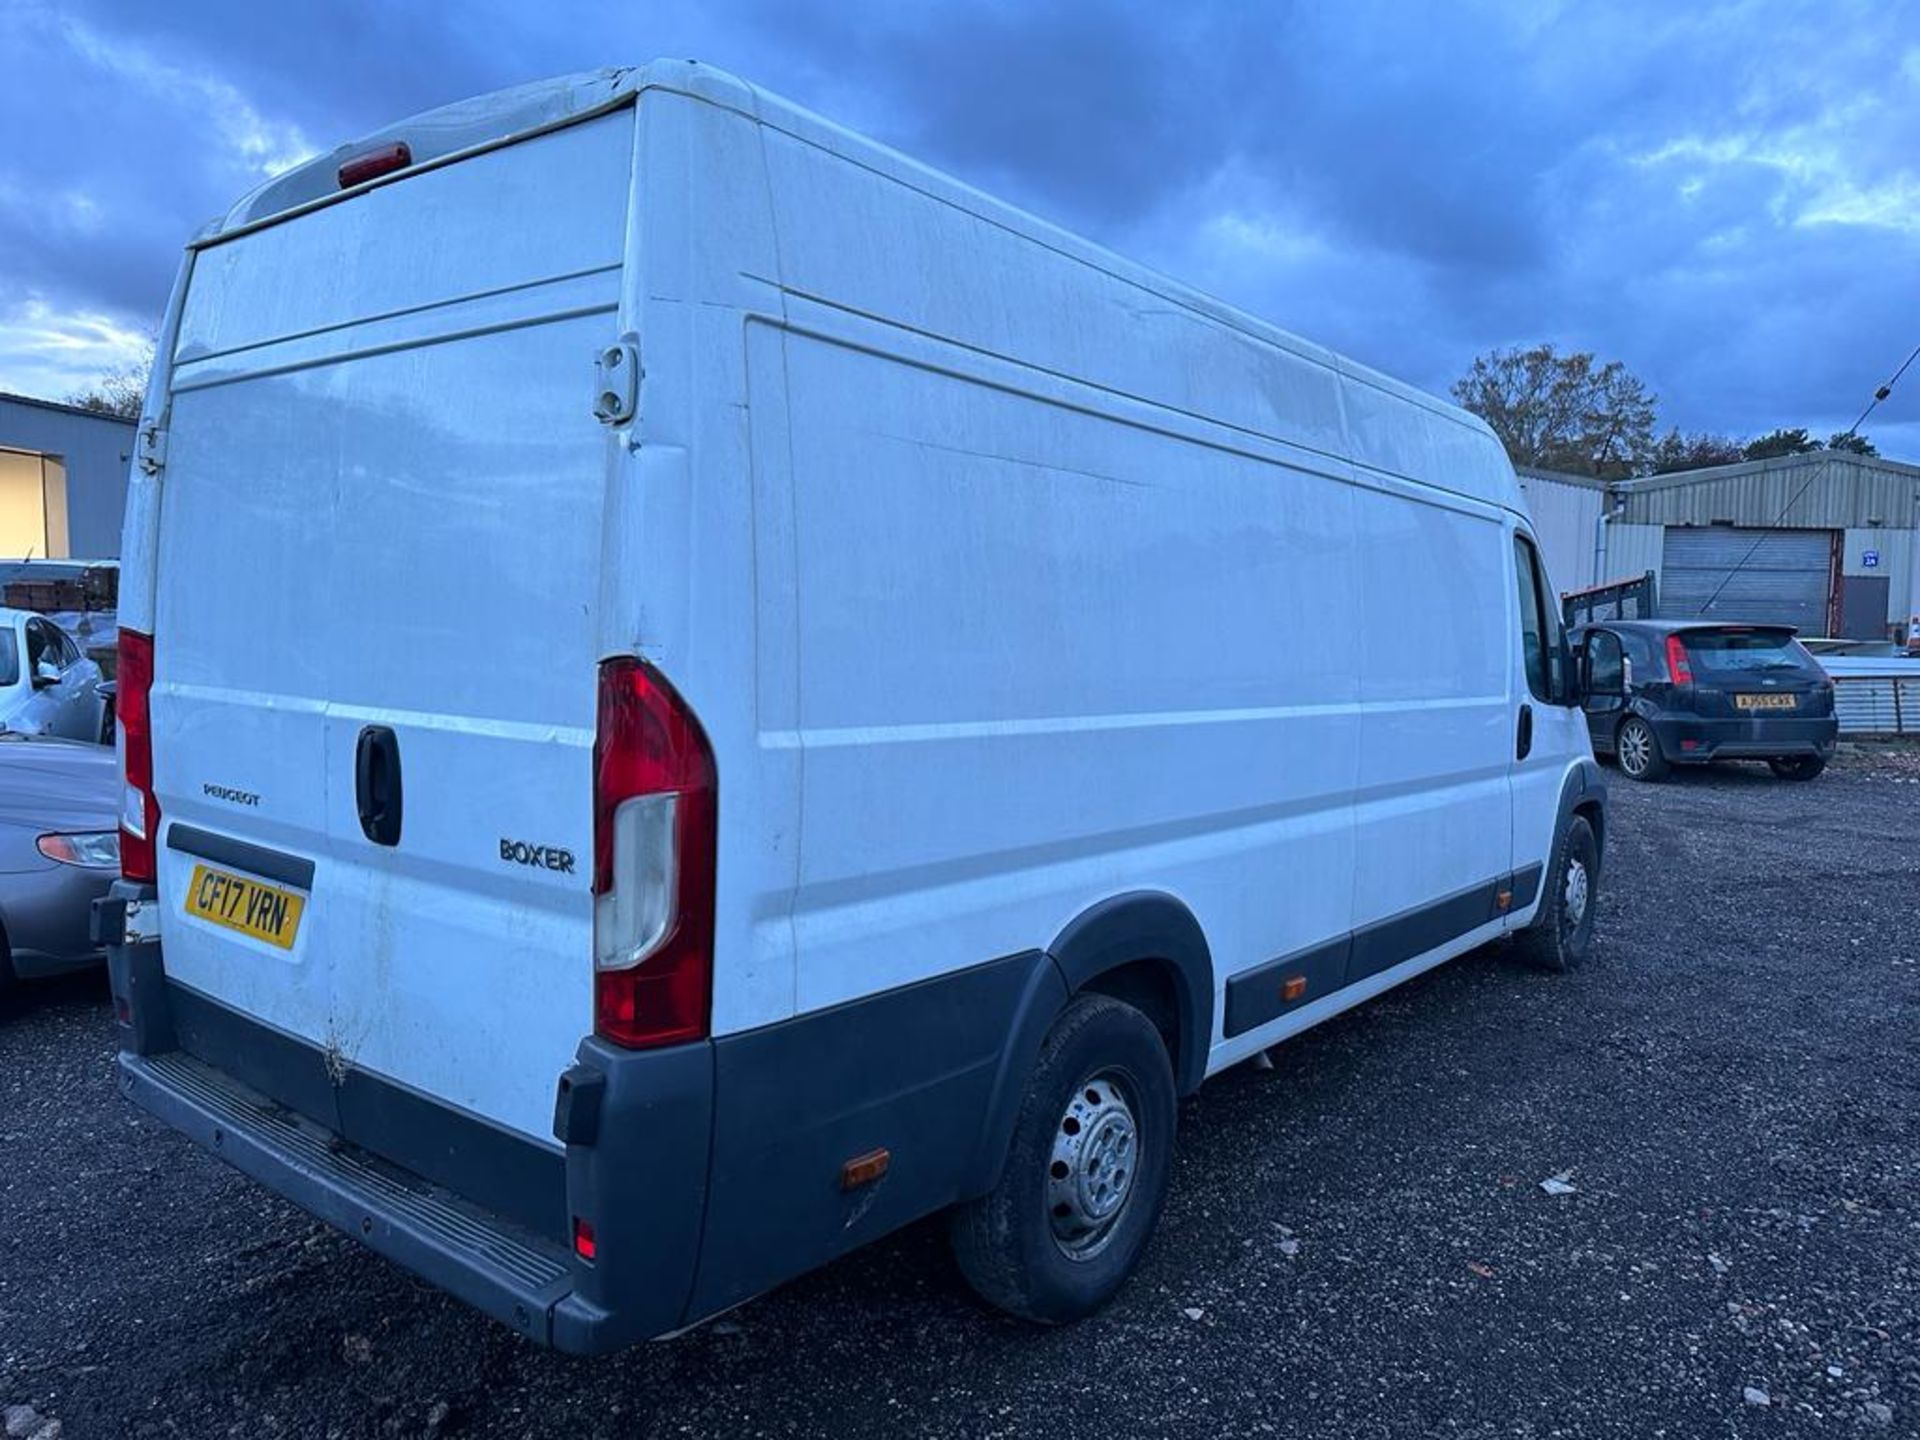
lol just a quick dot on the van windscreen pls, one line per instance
(1746, 650)
(9, 659)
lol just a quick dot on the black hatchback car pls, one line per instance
(1690, 692)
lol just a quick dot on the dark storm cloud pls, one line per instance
(1724, 196)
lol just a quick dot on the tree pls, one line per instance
(121, 391)
(1852, 444)
(1562, 412)
(1782, 442)
(1695, 452)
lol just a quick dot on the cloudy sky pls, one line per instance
(1724, 196)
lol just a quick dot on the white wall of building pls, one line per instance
(1564, 515)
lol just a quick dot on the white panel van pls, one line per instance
(694, 691)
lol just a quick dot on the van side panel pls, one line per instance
(1432, 812)
(863, 241)
(1031, 454)
(1142, 677)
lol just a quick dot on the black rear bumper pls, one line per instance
(510, 1273)
(1686, 738)
(485, 1214)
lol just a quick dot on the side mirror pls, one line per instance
(1611, 682)
(44, 674)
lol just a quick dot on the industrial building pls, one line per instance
(63, 480)
(1823, 541)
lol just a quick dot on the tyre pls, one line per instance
(1562, 933)
(1086, 1170)
(1638, 750)
(1797, 767)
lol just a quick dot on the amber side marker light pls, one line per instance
(375, 163)
(1293, 987)
(865, 1169)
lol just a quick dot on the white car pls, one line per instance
(960, 699)
(47, 687)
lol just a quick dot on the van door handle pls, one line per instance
(1524, 745)
(376, 784)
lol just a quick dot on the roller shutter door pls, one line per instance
(1779, 577)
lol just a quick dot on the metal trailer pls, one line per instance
(1635, 599)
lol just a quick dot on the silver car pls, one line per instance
(59, 849)
(47, 686)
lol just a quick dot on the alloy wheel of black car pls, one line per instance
(1638, 750)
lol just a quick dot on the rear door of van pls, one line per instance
(378, 564)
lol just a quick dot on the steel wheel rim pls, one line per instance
(1576, 894)
(1635, 747)
(1093, 1166)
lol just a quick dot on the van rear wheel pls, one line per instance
(1086, 1170)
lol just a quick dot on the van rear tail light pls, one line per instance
(653, 861)
(1678, 666)
(139, 811)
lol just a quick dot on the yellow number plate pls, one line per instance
(253, 907)
(1764, 702)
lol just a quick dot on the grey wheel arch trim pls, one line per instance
(1153, 926)
(1140, 925)
(1583, 792)
(1585, 789)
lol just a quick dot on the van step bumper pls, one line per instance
(511, 1274)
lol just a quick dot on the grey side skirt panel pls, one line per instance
(917, 1072)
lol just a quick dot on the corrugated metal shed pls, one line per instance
(1842, 492)
(1632, 550)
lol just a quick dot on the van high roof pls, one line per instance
(1378, 434)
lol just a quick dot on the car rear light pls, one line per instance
(1678, 666)
(139, 811)
(375, 163)
(583, 1242)
(653, 861)
(90, 849)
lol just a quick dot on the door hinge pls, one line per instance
(616, 383)
(153, 448)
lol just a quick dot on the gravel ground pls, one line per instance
(1357, 1242)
